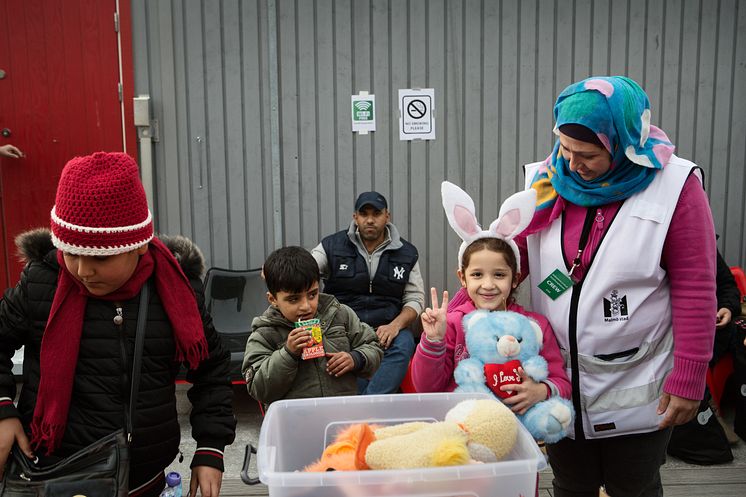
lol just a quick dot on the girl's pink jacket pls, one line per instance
(433, 362)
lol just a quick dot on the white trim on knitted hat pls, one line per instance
(90, 229)
(97, 251)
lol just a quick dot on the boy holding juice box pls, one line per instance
(306, 344)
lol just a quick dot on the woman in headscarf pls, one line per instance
(621, 253)
(630, 224)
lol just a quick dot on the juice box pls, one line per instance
(315, 346)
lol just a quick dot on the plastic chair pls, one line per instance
(234, 298)
(407, 386)
(740, 278)
(717, 377)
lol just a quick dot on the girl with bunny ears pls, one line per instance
(489, 271)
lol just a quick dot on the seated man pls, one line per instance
(372, 269)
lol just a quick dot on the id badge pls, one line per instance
(555, 284)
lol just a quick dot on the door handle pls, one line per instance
(5, 132)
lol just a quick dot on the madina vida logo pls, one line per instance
(615, 307)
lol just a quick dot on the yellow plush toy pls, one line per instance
(474, 431)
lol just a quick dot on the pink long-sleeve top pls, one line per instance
(433, 363)
(689, 259)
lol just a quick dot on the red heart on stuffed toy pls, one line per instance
(502, 374)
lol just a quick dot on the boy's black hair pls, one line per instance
(290, 269)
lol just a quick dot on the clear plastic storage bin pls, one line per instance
(295, 432)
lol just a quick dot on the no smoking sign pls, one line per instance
(417, 114)
(416, 108)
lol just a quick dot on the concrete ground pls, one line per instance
(249, 419)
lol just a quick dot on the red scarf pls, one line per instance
(61, 340)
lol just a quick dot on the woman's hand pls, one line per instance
(527, 393)
(678, 410)
(11, 431)
(434, 318)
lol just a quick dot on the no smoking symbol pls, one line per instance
(416, 109)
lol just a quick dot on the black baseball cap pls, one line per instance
(373, 199)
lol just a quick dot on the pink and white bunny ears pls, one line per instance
(515, 214)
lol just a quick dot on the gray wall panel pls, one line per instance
(233, 122)
(308, 125)
(733, 240)
(287, 47)
(343, 88)
(636, 42)
(257, 179)
(381, 47)
(654, 55)
(204, 65)
(362, 49)
(722, 161)
(437, 267)
(216, 185)
(546, 60)
(496, 67)
(398, 188)
(192, 127)
(705, 96)
(527, 90)
(326, 118)
(414, 188)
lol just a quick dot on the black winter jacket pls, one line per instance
(102, 377)
(728, 295)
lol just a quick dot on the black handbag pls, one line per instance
(702, 440)
(99, 470)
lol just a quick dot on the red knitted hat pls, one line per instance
(101, 208)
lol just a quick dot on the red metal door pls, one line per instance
(59, 97)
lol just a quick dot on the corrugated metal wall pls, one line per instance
(232, 166)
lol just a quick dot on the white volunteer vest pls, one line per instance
(620, 317)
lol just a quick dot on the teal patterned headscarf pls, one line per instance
(617, 110)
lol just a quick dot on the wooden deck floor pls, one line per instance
(714, 481)
(679, 480)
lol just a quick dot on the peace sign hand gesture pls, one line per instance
(434, 319)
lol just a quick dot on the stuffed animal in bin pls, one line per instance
(474, 431)
(498, 344)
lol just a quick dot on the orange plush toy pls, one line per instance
(343, 453)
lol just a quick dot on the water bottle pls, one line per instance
(173, 485)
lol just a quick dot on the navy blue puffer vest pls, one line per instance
(376, 300)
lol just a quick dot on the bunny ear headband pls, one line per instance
(515, 214)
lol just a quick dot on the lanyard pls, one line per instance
(590, 215)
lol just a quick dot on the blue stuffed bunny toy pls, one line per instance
(498, 343)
